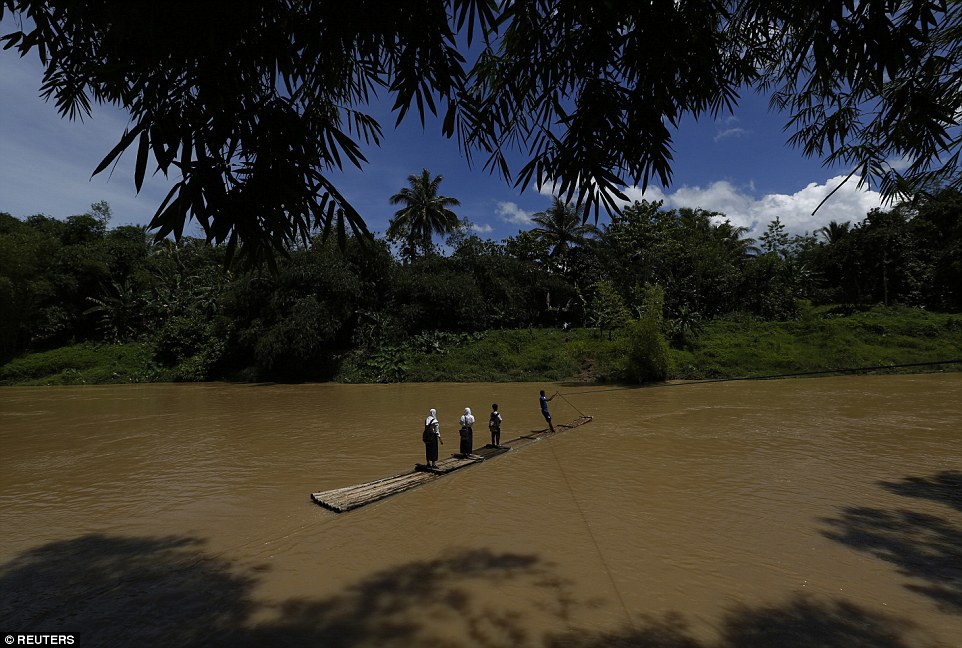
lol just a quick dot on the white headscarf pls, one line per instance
(432, 417)
(468, 419)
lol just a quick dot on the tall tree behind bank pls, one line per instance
(562, 228)
(910, 254)
(424, 213)
(698, 263)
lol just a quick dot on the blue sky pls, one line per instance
(738, 164)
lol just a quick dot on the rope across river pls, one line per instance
(580, 413)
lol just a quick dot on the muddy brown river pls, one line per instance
(819, 512)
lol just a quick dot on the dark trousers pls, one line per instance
(467, 440)
(431, 449)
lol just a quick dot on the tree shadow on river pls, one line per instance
(924, 547)
(124, 591)
(168, 591)
(799, 622)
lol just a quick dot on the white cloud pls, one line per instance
(651, 194)
(743, 209)
(482, 229)
(729, 132)
(547, 189)
(511, 213)
(900, 163)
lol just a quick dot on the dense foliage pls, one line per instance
(654, 273)
(253, 107)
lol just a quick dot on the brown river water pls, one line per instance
(818, 512)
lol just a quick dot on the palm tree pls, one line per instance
(734, 237)
(562, 227)
(424, 213)
(119, 310)
(834, 232)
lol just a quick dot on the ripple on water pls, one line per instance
(686, 500)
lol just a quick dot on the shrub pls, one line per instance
(647, 352)
(647, 347)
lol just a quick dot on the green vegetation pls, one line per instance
(730, 347)
(823, 339)
(83, 364)
(647, 349)
(652, 295)
(424, 214)
(498, 355)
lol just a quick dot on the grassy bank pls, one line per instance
(821, 339)
(83, 364)
(495, 356)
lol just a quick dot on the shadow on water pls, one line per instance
(944, 488)
(389, 608)
(169, 591)
(124, 591)
(924, 546)
(800, 622)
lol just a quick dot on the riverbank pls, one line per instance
(821, 339)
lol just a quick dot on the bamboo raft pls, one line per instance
(341, 500)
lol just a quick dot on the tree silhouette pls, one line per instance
(251, 108)
(424, 213)
(834, 232)
(921, 545)
(562, 227)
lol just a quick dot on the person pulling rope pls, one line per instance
(547, 415)
(544, 409)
